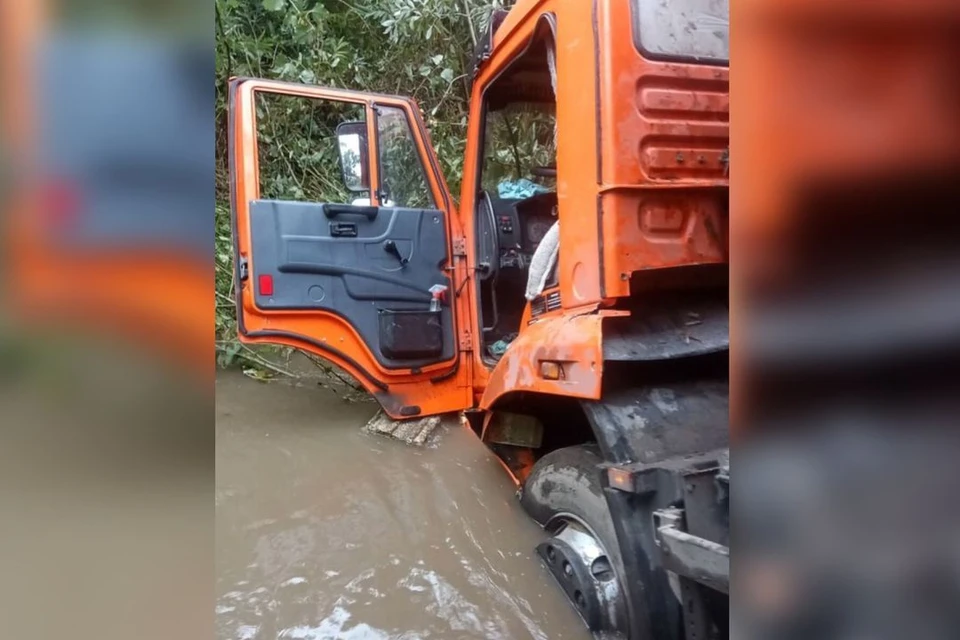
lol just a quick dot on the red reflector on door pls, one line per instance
(266, 284)
(60, 202)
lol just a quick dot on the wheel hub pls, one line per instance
(583, 570)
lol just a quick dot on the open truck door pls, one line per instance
(342, 235)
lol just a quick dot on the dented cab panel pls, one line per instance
(566, 348)
(664, 134)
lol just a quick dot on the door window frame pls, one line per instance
(544, 21)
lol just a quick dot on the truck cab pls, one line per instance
(572, 302)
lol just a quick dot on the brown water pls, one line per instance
(324, 531)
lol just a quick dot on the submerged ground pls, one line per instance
(324, 531)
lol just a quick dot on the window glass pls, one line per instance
(519, 144)
(298, 149)
(683, 28)
(403, 182)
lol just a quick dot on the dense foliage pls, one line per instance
(418, 48)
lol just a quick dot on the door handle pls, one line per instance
(334, 210)
(343, 229)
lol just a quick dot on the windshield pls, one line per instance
(697, 29)
(519, 150)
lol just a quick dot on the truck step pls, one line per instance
(415, 432)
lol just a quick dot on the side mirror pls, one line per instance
(354, 160)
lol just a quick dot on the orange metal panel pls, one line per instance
(579, 44)
(665, 132)
(124, 297)
(575, 342)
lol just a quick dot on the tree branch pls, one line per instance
(473, 30)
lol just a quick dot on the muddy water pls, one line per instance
(324, 531)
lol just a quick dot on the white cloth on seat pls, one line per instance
(543, 261)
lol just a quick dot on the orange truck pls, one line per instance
(573, 304)
(106, 216)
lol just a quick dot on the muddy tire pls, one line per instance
(564, 486)
(567, 481)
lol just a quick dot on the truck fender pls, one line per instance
(575, 343)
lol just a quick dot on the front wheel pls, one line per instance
(563, 494)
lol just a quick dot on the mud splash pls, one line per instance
(324, 531)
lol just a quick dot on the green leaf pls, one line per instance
(307, 76)
(437, 59)
(274, 5)
(447, 74)
(287, 70)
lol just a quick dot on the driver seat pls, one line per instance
(544, 262)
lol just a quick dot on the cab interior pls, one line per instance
(516, 200)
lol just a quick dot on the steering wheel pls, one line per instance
(488, 244)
